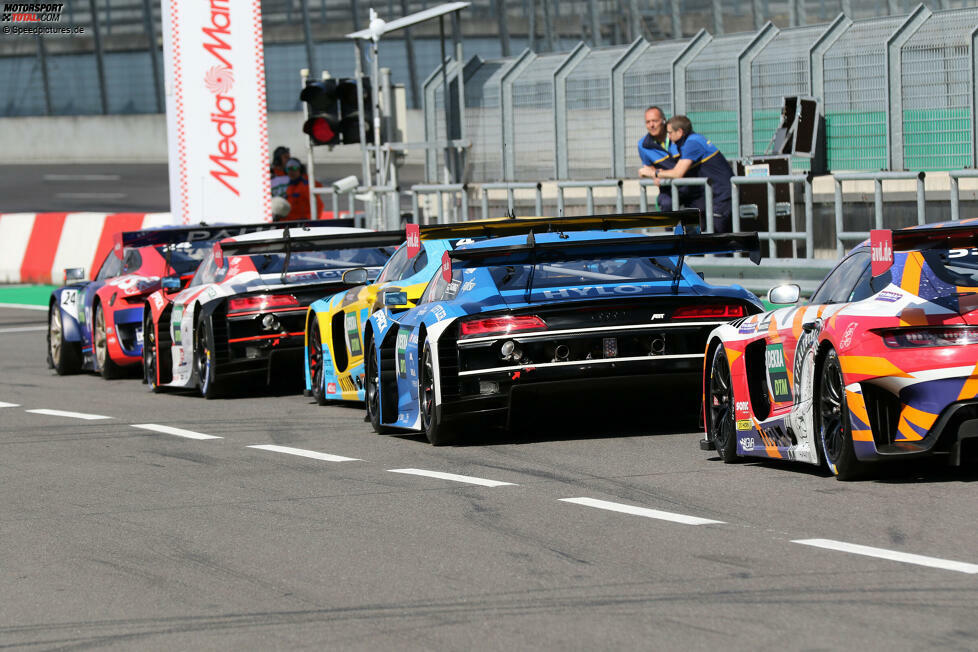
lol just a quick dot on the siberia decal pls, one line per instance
(402, 342)
(777, 373)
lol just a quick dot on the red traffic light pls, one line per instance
(323, 122)
(323, 130)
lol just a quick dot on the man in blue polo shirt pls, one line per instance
(657, 153)
(698, 157)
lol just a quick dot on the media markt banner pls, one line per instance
(217, 135)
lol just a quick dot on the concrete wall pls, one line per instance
(142, 139)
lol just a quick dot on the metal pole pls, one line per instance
(809, 217)
(735, 206)
(379, 202)
(717, 17)
(465, 202)
(677, 22)
(355, 15)
(589, 200)
(560, 201)
(955, 199)
(364, 152)
(307, 34)
(153, 55)
(42, 59)
(503, 27)
(921, 213)
(643, 198)
(772, 219)
(548, 26)
(510, 200)
(459, 118)
(445, 96)
(538, 205)
(415, 209)
(636, 20)
(878, 202)
(840, 249)
(99, 62)
(620, 197)
(485, 203)
(708, 204)
(531, 29)
(412, 63)
(592, 6)
(757, 11)
(336, 205)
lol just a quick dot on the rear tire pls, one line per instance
(721, 423)
(372, 390)
(150, 354)
(63, 356)
(832, 425)
(437, 432)
(316, 371)
(100, 343)
(204, 360)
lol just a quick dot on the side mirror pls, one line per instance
(74, 274)
(356, 276)
(784, 294)
(171, 283)
(396, 300)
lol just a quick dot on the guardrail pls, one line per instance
(956, 191)
(675, 184)
(589, 187)
(841, 235)
(511, 188)
(807, 235)
(441, 189)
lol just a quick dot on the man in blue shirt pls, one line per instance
(698, 157)
(657, 153)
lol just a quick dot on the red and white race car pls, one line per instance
(881, 364)
(243, 313)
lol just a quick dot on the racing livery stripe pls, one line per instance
(113, 224)
(869, 366)
(41, 247)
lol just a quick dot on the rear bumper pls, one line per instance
(953, 436)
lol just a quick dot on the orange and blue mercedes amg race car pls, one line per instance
(880, 365)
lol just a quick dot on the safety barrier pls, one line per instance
(589, 187)
(841, 235)
(511, 189)
(956, 190)
(440, 189)
(675, 184)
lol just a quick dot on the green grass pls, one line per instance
(31, 295)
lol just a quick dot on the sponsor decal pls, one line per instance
(962, 253)
(658, 315)
(69, 302)
(330, 388)
(439, 312)
(777, 373)
(881, 247)
(744, 424)
(446, 267)
(468, 285)
(747, 444)
(175, 323)
(742, 406)
(32, 12)
(413, 233)
(157, 300)
(402, 342)
(381, 320)
(592, 291)
(219, 80)
(888, 296)
(847, 336)
(353, 334)
(747, 328)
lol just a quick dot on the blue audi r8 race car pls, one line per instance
(529, 312)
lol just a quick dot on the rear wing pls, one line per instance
(495, 228)
(205, 232)
(533, 252)
(883, 242)
(293, 240)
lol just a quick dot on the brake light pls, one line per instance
(262, 302)
(899, 338)
(506, 324)
(709, 311)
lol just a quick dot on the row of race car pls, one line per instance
(436, 329)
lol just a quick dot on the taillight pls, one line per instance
(709, 312)
(899, 338)
(262, 302)
(506, 324)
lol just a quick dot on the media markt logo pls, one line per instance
(31, 12)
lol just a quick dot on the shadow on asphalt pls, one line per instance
(923, 470)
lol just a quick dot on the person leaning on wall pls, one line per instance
(657, 153)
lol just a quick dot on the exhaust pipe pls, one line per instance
(561, 353)
(658, 344)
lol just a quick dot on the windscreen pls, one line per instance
(185, 256)
(584, 272)
(306, 261)
(954, 266)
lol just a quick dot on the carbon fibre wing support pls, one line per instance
(495, 228)
(204, 232)
(534, 252)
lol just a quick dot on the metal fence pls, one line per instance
(897, 92)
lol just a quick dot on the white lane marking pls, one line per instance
(24, 306)
(81, 177)
(451, 476)
(641, 511)
(90, 195)
(169, 430)
(3, 405)
(326, 457)
(892, 555)
(23, 329)
(70, 415)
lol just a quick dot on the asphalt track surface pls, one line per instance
(117, 536)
